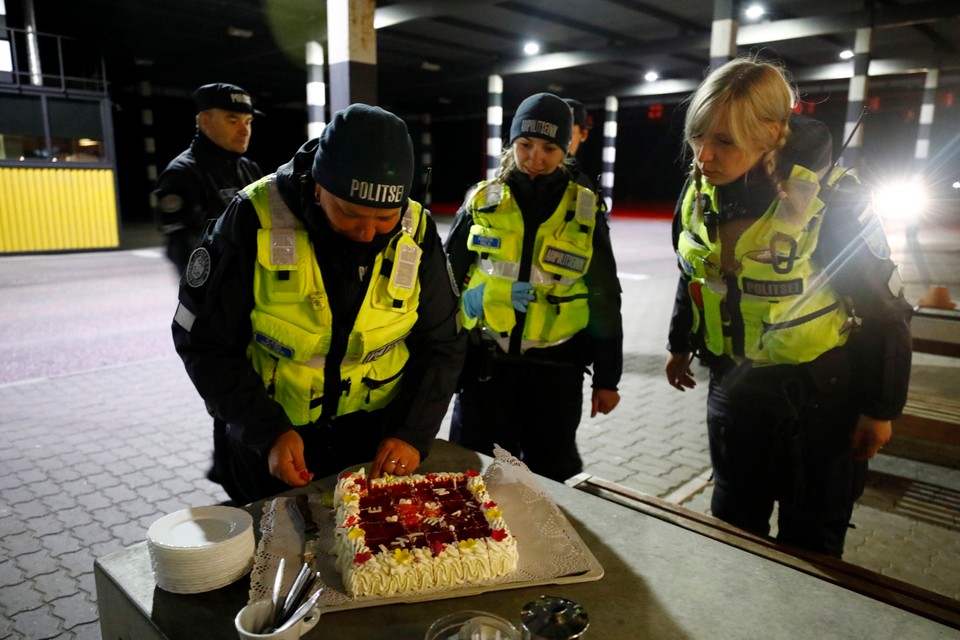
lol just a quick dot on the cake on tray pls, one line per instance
(403, 535)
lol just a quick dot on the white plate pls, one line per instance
(199, 527)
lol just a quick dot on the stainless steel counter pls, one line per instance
(661, 581)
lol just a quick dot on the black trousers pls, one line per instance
(531, 410)
(328, 448)
(779, 434)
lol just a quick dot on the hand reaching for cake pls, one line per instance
(395, 457)
(286, 460)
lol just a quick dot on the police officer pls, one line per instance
(318, 319)
(796, 309)
(199, 183)
(541, 297)
(582, 124)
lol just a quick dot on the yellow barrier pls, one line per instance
(57, 210)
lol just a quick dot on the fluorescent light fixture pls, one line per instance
(650, 76)
(6, 57)
(846, 54)
(754, 12)
(531, 48)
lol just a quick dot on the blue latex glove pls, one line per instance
(521, 295)
(473, 302)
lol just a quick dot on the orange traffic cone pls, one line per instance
(938, 297)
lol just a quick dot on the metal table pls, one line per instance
(661, 581)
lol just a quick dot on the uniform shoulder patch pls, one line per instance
(170, 203)
(198, 267)
(875, 239)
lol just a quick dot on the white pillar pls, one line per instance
(316, 90)
(352, 49)
(611, 107)
(494, 124)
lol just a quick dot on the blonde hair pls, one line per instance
(508, 162)
(749, 96)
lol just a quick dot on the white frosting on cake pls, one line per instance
(444, 536)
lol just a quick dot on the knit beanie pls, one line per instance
(365, 157)
(543, 115)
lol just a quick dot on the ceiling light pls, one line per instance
(846, 54)
(531, 48)
(754, 12)
(555, 88)
(429, 66)
(650, 76)
(237, 32)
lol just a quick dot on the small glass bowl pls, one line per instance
(472, 625)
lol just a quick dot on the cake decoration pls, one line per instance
(400, 535)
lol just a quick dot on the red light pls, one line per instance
(655, 112)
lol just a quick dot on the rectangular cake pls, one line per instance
(401, 535)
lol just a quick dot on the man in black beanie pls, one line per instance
(318, 319)
(199, 183)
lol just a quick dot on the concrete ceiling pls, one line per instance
(435, 55)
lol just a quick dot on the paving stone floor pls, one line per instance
(90, 457)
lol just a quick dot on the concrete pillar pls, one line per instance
(930, 85)
(149, 140)
(494, 124)
(426, 157)
(609, 151)
(316, 90)
(352, 48)
(856, 99)
(723, 32)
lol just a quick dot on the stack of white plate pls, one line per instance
(201, 548)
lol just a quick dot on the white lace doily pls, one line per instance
(548, 546)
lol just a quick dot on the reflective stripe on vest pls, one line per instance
(562, 252)
(785, 313)
(292, 322)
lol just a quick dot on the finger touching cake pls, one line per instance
(418, 534)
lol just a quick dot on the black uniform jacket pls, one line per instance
(601, 342)
(878, 353)
(213, 350)
(195, 187)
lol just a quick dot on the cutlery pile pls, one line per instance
(299, 601)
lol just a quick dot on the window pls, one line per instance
(75, 126)
(21, 128)
(76, 131)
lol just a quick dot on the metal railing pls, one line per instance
(48, 62)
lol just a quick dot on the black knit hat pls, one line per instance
(580, 116)
(365, 157)
(228, 97)
(543, 115)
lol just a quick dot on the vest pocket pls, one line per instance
(800, 339)
(551, 318)
(280, 281)
(374, 385)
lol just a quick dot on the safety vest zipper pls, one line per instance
(372, 384)
(786, 324)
